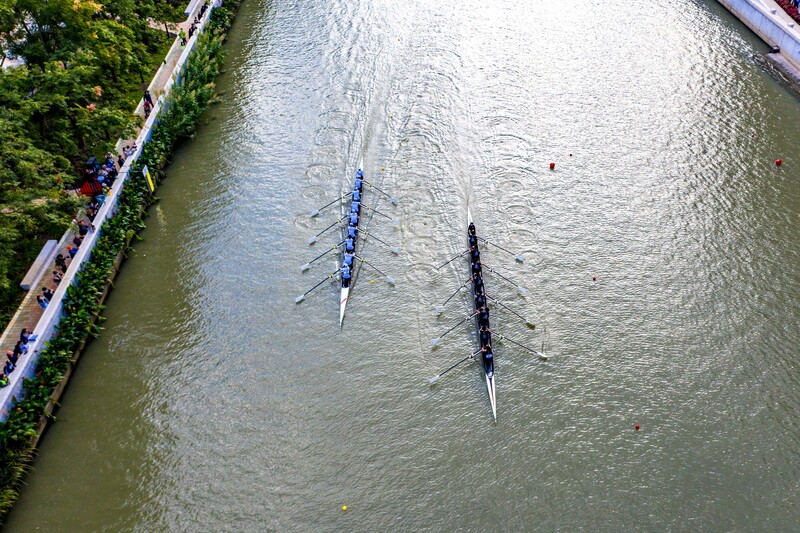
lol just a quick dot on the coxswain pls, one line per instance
(345, 276)
(471, 229)
(349, 245)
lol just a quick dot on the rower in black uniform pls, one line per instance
(483, 317)
(476, 267)
(474, 254)
(478, 284)
(485, 336)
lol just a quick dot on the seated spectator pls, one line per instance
(20, 348)
(47, 293)
(83, 227)
(8, 368)
(42, 302)
(56, 276)
(77, 241)
(61, 262)
(3, 380)
(12, 357)
(121, 160)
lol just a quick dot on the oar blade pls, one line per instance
(439, 309)
(394, 249)
(299, 299)
(522, 290)
(435, 341)
(434, 379)
(395, 221)
(314, 213)
(312, 240)
(391, 280)
(305, 267)
(395, 201)
(519, 258)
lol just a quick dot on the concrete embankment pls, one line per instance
(768, 20)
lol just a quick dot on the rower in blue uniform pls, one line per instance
(352, 231)
(345, 276)
(478, 282)
(357, 195)
(480, 301)
(483, 317)
(355, 206)
(349, 245)
(354, 218)
(348, 259)
(485, 335)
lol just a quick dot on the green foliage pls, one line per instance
(82, 302)
(85, 62)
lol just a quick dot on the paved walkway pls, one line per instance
(29, 312)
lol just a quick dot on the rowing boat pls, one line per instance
(355, 196)
(487, 358)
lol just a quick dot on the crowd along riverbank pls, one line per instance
(72, 317)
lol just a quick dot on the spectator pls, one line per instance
(20, 348)
(148, 108)
(56, 277)
(27, 337)
(72, 251)
(77, 241)
(42, 302)
(147, 97)
(83, 227)
(121, 160)
(47, 293)
(3, 380)
(8, 368)
(11, 357)
(182, 35)
(61, 263)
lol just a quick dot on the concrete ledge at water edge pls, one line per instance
(43, 260)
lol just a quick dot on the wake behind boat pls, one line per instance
(354, 223)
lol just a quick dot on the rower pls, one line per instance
(345, 276)
(485, 336)
(357, 195)
(473, 241)
(480, 301)
(355, 206)
(352, 231)
(483, 316)
(349, 245)
(478, 283)
(474, 254)
(348, 259)
(354, 218)
(476, 267)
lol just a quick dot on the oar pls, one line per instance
(512, 341)
(394, 200)
(315, 212)
(394, 249)
(320, 256)
(389, 279)
(435, 378)
(440, 308)
(504, 306)
(303, 296)
(520, 288)
(394, 220)
(453, 259)
(435, 341)
(518, 257)
(313, 239)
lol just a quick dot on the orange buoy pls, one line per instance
(778, 162)
(552, 166)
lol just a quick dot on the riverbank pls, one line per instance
(70, 319)
(775, 27)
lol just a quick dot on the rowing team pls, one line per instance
(352, 230)
(481, 305)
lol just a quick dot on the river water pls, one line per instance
(662, 273)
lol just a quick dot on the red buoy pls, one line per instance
(552, 166)
(594, 278)
(636, 427)
(778, 163)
